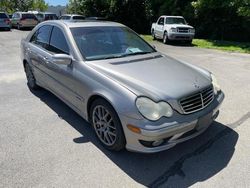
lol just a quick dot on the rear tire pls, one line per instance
(31, 81)
(107, 125)
(153, 35)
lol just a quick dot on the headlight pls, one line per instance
(192, 30)
(215, 83)
(173, 30)
(151, 110)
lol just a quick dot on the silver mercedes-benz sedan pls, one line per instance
(133, 96)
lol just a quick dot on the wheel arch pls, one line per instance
(24, 63)
(94, 97)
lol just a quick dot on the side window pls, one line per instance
(33, 38)
(161, 21)
(58, 43)
(41, 36)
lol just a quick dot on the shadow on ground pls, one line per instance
(184, 165)
(178, 43)
(4, 30)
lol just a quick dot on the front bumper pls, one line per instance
(170, 133)
(181, 36)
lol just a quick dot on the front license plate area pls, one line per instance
(204, 121)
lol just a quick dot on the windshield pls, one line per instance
(175, 21)
(97, 43)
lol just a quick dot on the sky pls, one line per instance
(57, 2)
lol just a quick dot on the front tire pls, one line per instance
(107, 125)
(165, 37)
(31, 81)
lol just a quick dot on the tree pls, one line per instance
(39, 5)
(23, 5)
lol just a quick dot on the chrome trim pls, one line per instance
(204, 97)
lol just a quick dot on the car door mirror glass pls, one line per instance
(62, 59)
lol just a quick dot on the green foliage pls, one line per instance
(11, 6)
(241, 47)
(222, 19)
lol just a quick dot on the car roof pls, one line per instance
(46, 13)
(172, 16)
(84, 23)
(24, 12)
(72, 15)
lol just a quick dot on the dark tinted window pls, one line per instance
(3, 15)
(28, 16)
(65, 17)
(161, 21)
(50, 17)
(58, 43)
(41, 36)
(78, 17)
(175, 21)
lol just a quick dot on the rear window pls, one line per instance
(28, 16)
(3, 15)
(78, 17)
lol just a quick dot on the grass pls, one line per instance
(241, 47)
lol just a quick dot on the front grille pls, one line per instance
(197, 101)
(182, 30)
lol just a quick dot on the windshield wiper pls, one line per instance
(125, 55)
(135, 53)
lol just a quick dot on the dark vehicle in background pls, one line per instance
(44, 16)
(4, 21)
(24, 20)
(72, 17)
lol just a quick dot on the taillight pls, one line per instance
(7, 21)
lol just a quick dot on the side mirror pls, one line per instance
(62, 59)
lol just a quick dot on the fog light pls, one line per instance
(157, 142)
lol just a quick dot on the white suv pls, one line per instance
(172, 28)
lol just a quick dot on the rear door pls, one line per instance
(38, 53)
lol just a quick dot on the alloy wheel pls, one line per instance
(104, 125)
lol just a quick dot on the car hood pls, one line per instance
(156, 76)
(181, 25)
